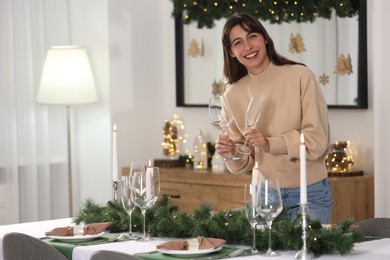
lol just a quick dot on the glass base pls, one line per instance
(304, 254)
(231, 159)
(270, 253)
(131, 237)
(143, 239)
(244, 149)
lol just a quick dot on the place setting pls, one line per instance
(196, 248)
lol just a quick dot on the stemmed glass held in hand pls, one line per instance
(220, 117)
(252, 117)
(269, 206)
(127, 201)
(250, 202)
(143, 194)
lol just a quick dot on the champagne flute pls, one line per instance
(221, 117)
(156, 184)
(127, 201)
(269, 206)
(252, 116)
(153, 173)
(142, 195)
(250, 202)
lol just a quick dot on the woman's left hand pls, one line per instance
(257, 139)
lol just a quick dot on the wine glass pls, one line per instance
(155, 183)
(142, 194)
(252, 116)
(221, 117)
(269, 206)
(250, 202)
(127, 201)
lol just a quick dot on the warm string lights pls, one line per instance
(173, 135)
(277, 11)
(340, 157)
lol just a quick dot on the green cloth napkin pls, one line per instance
(66, 248)
(223, 253)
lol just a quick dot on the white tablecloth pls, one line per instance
(371, 250)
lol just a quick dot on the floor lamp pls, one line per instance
(67, 80)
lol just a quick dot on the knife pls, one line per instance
(236, 252)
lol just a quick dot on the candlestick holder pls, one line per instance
(304, 253)
(115, 190)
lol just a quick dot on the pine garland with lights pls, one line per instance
(164, 220)
(205, 12)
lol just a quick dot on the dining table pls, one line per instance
(377, 249)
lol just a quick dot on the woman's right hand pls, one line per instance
(225, 146)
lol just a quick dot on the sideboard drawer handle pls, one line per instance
(169, 196)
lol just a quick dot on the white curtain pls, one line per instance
(33, 150)
(379, 49)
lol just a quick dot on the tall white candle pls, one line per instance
(149, 176)
(266, 192)
(255, 174)
(114, 156)
(302, 157)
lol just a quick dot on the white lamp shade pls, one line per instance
(66, 77)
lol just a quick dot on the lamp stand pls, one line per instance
(70, 189)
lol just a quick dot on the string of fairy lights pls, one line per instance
(205, 12)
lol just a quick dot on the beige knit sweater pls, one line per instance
(294, 103)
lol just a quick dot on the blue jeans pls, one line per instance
(319, 201)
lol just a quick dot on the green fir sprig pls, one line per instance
(164, 220)
(205, 12)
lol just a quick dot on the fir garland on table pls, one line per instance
(205, 12)
(164, 220)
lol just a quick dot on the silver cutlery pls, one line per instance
(236, 252)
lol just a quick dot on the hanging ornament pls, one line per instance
(218, 88)
(344, 65)
(195, 50)
(324, 79)
(296, 44)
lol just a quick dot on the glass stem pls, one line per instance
(254, 250)
(144, 226)
(130, 225)
(269, 223)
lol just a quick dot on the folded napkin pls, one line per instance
(95, 228)
(89, 229)
(198, 243)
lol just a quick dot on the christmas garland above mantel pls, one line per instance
(164, 220)
(205, 12)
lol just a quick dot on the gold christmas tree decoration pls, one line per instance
(194, 50)
(218, 88)
(324, 79)
(296, 44)
(344, 65)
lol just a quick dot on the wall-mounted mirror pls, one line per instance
(326, 42)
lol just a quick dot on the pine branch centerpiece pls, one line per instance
(166, 221)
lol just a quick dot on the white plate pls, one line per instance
(76, 238)
(189, 253)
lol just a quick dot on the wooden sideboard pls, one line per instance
(188, 188)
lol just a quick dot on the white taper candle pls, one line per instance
(114, 156)
(302, 158)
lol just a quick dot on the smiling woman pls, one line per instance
(335, 49)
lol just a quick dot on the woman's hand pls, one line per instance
(225, 146)
(257, 139)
